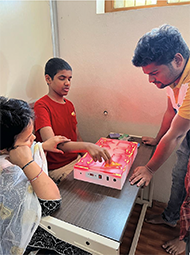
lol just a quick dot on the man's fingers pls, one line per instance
(135, 180)
(142, 183)
(135, 174)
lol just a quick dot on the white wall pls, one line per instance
(100, 47)
(25, 46)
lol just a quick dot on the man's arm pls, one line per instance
(165, 125)
(167, 144)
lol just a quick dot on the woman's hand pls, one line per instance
(20, 155)
(52, 143)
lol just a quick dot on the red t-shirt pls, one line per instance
(62, 119)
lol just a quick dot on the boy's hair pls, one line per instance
(15, 115)
(54, 65)
(160, 46)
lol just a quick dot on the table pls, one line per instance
(95, 217)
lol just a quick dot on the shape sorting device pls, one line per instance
(112, 175)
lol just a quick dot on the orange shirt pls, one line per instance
(180, 95)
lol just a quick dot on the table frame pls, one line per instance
(93, 242)
(84, 239)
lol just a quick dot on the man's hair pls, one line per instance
(160, 45)
(54, 65)
(15, 115)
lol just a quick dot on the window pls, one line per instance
(120, 5)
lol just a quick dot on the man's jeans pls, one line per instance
(178, 192)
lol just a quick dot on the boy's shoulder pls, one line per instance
(46, 100)
(42, 101)
(68, 101)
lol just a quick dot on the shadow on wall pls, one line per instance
(21, 83)
(5, 74)
(36, 86)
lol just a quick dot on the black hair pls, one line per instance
(54, 65)
(160, 46)
(15, 115)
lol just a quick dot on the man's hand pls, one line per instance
(97, 153)
(149, 140)
(141, 176)
(51, 143)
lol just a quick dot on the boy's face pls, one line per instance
(60, 84)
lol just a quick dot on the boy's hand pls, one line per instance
(51, 143)
(97, 153)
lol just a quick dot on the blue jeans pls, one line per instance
(172, 212)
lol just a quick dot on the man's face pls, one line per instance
(162, 75)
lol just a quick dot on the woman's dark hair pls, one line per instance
(159, 46)
(15, 115)
(54, 65)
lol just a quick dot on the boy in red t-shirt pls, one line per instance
(56, 115)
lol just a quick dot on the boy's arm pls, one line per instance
(46, 133)
(96, 152)
(166, 122)
(51, 143)
(79, 138)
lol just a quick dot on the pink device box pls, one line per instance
(123, 154)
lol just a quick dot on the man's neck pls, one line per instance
(179, 77)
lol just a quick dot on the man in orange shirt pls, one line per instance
(164, 57)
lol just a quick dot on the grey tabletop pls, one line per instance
(102, 210)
